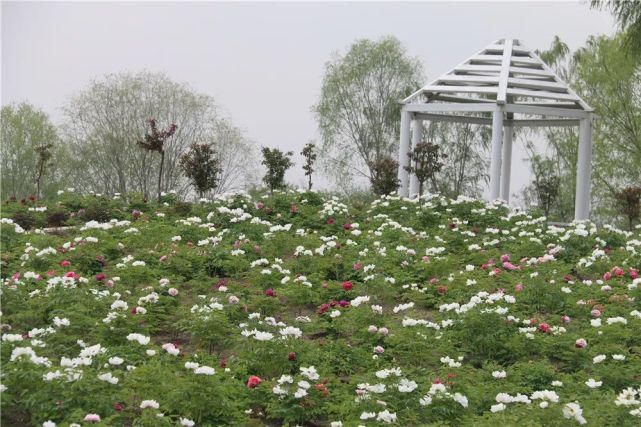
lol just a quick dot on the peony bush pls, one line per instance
(300, 308)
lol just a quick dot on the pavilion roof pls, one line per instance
(504, 73)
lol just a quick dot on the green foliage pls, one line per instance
(277, 163)
(384, 178)
(202, 167)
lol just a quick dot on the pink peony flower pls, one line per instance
(92, 418)
(65, 263)
(509, 266)
(372, 329)
(379, 350)
(596, 312)
(163, 258)
(518, 287)
(580, 343)
(383, 331)
(634, 273)
(607, 276)
(357, 266)
(136, 214)
(172, 291)
(505, 258)
(565, 319)
(253, 381)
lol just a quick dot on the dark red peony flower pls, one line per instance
(348, 286)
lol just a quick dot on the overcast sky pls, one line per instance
(262, 62)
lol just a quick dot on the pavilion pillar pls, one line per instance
(506, 165)
(584, 170)
(417, 133)
(495, 152)
(403, 149)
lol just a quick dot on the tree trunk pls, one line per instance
(309, 185)
(162, 161)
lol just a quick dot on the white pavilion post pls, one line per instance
(403, 149)
(506, 164)
(417, 132)
(584, 170)
(495, 160)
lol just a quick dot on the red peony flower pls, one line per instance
(607, 276)
(270, 292)
(347, 226)
(330, 221)
(323, 308)
(348, 286)
(291, 356)
(100, 277)
(65, 263)
(253, 381)
(544, 327)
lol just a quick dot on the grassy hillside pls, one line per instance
(298, 309)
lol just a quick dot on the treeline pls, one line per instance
(97, 146)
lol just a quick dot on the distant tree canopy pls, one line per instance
(25, 130)
(358, 111)
(104, 122)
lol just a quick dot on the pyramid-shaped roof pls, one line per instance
(505, 72)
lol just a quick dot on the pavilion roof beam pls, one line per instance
(547, 111)
(462, 108)
(501, 95)
(453, 119)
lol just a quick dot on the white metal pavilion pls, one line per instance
(505, 85)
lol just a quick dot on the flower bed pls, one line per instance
(302, 309)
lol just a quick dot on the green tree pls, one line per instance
(629, 204)
(358, 111)
(277, 163)
(309, 154)
(425, 163)
(628, 15)
(384, 179)
(202, 167)
(24, 129)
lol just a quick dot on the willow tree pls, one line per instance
(627, 13)
(358, 110)
(23, 130)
